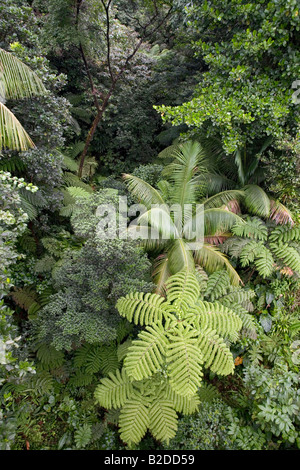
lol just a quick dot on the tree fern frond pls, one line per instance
(218, 317)
(113, 391)
(122, 349)
(285, 234)
(163, 419)
(146, 354)
(183, 404)
(184, 359)
(183, 289)
(141, 308)
(217, 285)
(288, 255)
(133, 421)
(251, 228)
(216, 354)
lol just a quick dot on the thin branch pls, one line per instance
(106, 8)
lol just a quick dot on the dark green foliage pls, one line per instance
(89, 281)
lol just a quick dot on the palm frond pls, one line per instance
(189, 161)
(142, 191)
(256, 200)
(12, 134)
(223, 198)
(180, 257)
(280, 214)
(212, 259)
(18, 80)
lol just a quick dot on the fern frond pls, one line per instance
(264, 262)
(183, 404)
(122, 349)
(183, 289)
(216, 354)
(184, 360)
(146, 355)
(88, 357)
(134, 420)
(81, 379)
(217, 285)
(114, 390)
(252, 228)
(285, 234)
(162, 419)
(218, 317)
(49, 356)
(141, 308)
(288, 255)
(208, 393)
(83, 436)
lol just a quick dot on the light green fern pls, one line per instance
(182, 333)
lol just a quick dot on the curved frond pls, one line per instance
(180, 257)
(12, 134)
(218, 200)
(212, 259)
(218, 220)
(280, 214)
(256, 200)
(18, 80)
(161, 272)
(143, 192)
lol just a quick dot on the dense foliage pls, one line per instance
(125, 119)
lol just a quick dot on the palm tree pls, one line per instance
(17, 81)
(242, 170)
(181, 188)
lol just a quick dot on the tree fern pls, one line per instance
(172, 338)
(265, 247)
(252, 228)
